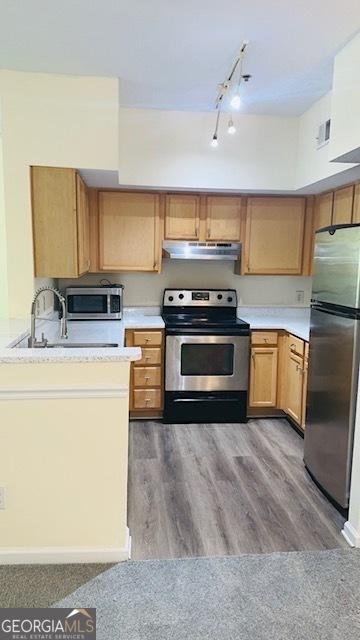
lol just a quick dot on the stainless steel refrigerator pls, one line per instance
(334, 360)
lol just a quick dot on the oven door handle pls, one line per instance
(206, 398)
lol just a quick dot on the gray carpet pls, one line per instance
(280, 596)
(42, 585)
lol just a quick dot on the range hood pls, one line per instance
(180, 250)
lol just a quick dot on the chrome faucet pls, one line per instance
(32, 341)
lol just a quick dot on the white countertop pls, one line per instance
(14, 331)
(295, 320)
(143, 318)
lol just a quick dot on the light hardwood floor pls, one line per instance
(211, 489)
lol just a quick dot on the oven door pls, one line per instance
(206, 363)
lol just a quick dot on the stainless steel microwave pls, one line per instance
(94, 303)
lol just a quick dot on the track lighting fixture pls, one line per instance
(225, 87)
(214, 141)
(235, 101)
(231, 126)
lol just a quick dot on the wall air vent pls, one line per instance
(323, 136)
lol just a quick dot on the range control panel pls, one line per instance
(200, 297)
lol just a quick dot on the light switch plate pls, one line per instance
(2, 498)
(300, 296)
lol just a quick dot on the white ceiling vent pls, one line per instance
(323, 135)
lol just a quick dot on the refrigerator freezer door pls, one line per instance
(333, 375)
(337, 267)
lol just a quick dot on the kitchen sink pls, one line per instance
(72, 345)
(80, 345)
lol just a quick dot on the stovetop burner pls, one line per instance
(201, 308)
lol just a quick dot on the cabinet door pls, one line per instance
(129, 231)
(54, 211)
(294, 387)
(343, 205)
(274, 236)
(356, 208)
(182, 217)
(323, 210)
(305, 384)
(223, 218)
(83, 224)
(263, 376)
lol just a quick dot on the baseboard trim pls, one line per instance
(66, 555)
(350, 534)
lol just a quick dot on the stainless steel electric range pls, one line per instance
(207, 356)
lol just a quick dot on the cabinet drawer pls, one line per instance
(264, 337)
(149, 356)
(147, 338)
(296, 345)
(147, 376)
(147, 398)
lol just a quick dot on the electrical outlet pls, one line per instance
(37, 307)
(300, 296)
(2, 498)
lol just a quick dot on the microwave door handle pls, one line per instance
(108, 304)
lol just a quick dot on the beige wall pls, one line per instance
(314, 164)
(172, 149)
(145, 289)
(345, 108)
(63, 461)
(3, 247)
(51, 120)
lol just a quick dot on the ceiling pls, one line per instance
(171, 54)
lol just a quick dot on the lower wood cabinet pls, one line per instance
(263, 369)
(278, 373)
(305, 385)
(263, 376)
(295, 379)
(294, 387)
(147, 374)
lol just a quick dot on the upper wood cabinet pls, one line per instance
(83, 224)
(323, 210)
(356, 208)
(182, 217)
(343, 205)
(274, 236)
(223, 218)
(129, 231)
(60, 223)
